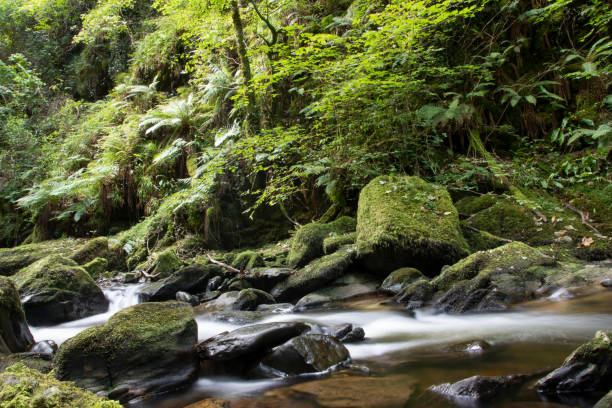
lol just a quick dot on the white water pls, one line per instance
(119, 297)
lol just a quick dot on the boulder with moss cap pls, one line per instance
(14, 259)
(141, 351)
(55, 289)
(15, 334)
(405, 221)
(21, 386)
(92, 249)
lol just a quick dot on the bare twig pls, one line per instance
(223, 265)
(584, 217)
(480, 232)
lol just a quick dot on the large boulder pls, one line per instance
(404, 221)
(249, 341)
(55, 289)
(21, 386)
(165, 263)
(92, 249)
(14, 259)
(588, 368)
(190, 279)
(315, 275)
(344, 288)
(308, 242)
(143, 350)
(15, 334)
(308, 353)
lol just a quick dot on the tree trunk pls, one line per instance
(245, 65)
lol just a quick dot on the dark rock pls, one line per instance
(315, 275)
(416, 293)
(141, 351)
(187, 298)
(55, 290)
(344, 288)
(463, 298)
(588, 368)
(237, 284)
(249, 299)
(45, 347)
(15, 334)
(400, 279)
(354, 336)
(309, 353)
(346, 333)
(248, 341)
(214, 283)
(606, 283)
(208, 296)
(266, 278)
(479, 388)
(191, 279)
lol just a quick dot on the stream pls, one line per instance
(403, 354)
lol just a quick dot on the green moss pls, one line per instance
(35, 361)
(23, 387)
(404, 218)
(54, 272)
(94, 248)
(473, 204)
(332, 244)
(481, 240)
(400, 279)
(13, 259)
(248, 260)
(599, 250)
(96, 267)
(307, 244)
(511, 259)
(166, 263)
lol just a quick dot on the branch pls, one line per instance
(480, 232)
(584, 217)
(273, 29)
(223, 265)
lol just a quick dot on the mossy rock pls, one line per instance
(21, 386)
(42, 362)
(13, 259)
(315, 275)
(135, 258)
(400, 279)
(15, 334)
(248, 260)
(166, 263)
(141, 351)
(96, 267)
(510, 259)
(405, 221)
(599, 250)
(55, 289)
(94, 248)
(307, 244)
(473, 204)
(332, 244)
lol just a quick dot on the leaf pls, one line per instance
(586, 242)
(515, 100)
(589, 68)
(531, 99)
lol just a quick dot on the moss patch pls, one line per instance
(13, 259)
(404, 221)
(248, 260)
(473, 204)
(166, 263)
(96, 267)
(400, 279)
(25, 387)
(94, 248)
(332, 244)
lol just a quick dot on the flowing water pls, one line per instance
(403, 354)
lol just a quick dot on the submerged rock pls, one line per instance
(588, 368)
(191, 279)
(55, 290)
(21, 386)
(15, 334)
(249, 341)
(315, 275)
(344, 288)
(479, 388)
(404, 221)
(307, 244)
(143, 350)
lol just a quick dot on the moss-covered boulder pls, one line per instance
(166, 263)
(141, 351)
(92, 249)
(21, 386)
(405, 221)
(307, 244)
(599, 250)
(588, 368)
(480, 240)
(55, 289)
(15, 334)
(13, 259)
(333, 243)
(315, 275)
(490, 279)
(248, 260)
(42, 362)
(400, 279)
(96, 267)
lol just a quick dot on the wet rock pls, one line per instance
(208, 296)
(416, 294)
(25, 387)
(477, 347)
(187, 298)
(346, 333)
(141, 351)
(45, 347)
(315, 275)
(606, 283)
(307, 243)
(309, 353)
(605, 402)
(479, 388)
(356, 335)
(588, 368)
(249, 299)
(463, 298)
(344, 288)
(238, 317)
(266, 278)
(248, 341)
(404, 221)
(190, 279)
(400, 279)
(15, 334)
(92, 249)
(236, 284)
(276, 308)
(214, 283)
(55, 289)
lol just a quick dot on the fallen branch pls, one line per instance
(584, 217)
(148, 276)
(480, 232)
(223, 265)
